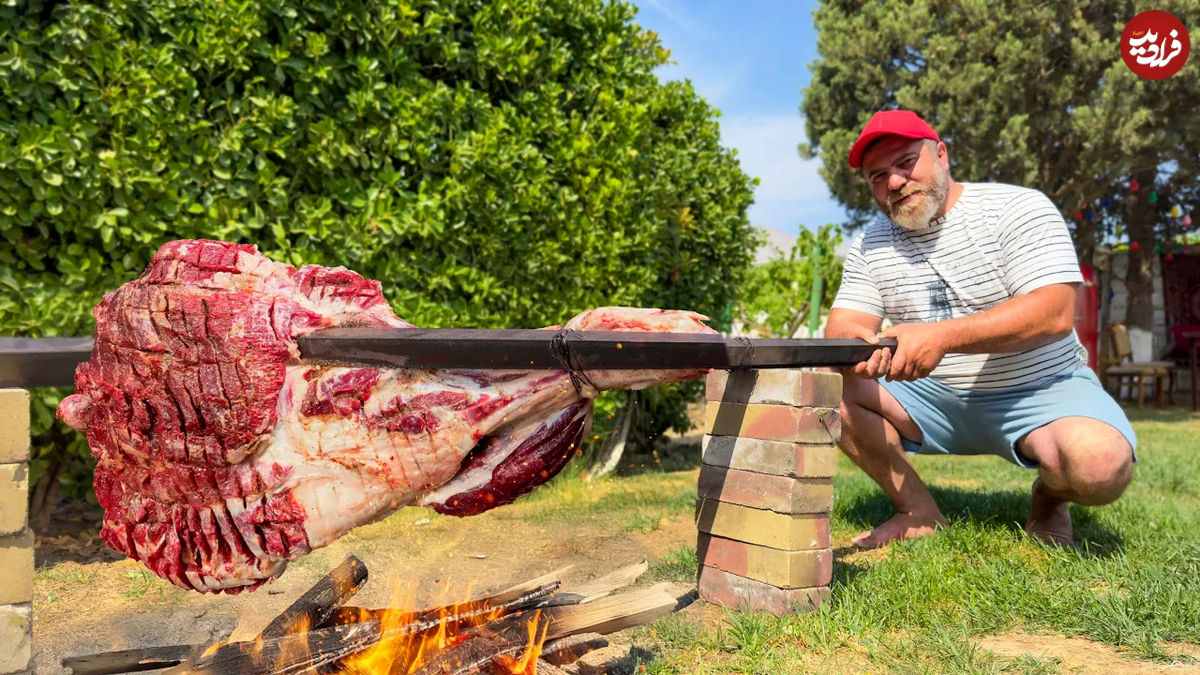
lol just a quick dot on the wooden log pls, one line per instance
(513, 599)
(462, 613)
(615, 612)
(526, 586)
(571, 648)
(609, 583)
(319, 602)
(509, 635)
(481, 647)
(131, 660)
(294, 653)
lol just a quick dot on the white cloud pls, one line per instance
(675, 15)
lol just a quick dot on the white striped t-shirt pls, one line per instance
(997, 242)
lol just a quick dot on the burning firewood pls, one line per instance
(516, 630)
(571, 649)
(295, 653)
(431, 618)
(322, 600)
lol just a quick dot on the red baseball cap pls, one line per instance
(888, 123)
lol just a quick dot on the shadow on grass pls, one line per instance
(1170, 414)
(992, 509)
(629, 664)
(844, 572)
(682, 454)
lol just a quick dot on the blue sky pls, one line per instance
(749, 59)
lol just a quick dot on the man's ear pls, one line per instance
(943, 155)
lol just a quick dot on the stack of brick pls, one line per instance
(16, 539)
(766, 489)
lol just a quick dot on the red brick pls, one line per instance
(763, 491)
(748, 595)
(800, 388)
(784, 569)
(779, 458)
(773, 422)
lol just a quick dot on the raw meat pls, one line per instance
(221, 456)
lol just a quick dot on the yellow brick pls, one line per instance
(14, 425)
(784, 386)
(16, 561)
(14, 497)
(782, 569)
(16, 637)
(766, 528)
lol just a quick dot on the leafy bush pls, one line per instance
(776, 295)
(495, 163)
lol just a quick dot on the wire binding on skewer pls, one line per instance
(747, 355)
(560, 347)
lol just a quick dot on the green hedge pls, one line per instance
(495, 164)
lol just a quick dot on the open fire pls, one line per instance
(531, 627)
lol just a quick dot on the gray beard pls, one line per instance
(924, 206)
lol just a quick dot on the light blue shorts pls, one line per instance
(958, 422)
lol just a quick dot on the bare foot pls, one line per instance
(907, 525)
(1049, 518)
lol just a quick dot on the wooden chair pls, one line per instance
(1120, 364)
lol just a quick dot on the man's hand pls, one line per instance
(919, 349)
(875, 367)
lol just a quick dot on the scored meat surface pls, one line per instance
(221, 456)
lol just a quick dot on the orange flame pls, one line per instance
(289, 651)
(527, 664)
(402, 650)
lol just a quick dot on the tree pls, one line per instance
(775, 297)
(494, 163)
(1028, 92)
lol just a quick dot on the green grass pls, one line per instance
(921, 605)
(677, 565)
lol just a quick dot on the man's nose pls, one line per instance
(896, 181)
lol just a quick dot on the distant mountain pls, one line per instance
(779, 244)
(775, 240)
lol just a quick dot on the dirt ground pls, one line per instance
(1076, 655)
(88, 600)
(98, 603)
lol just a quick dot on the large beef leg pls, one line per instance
(220, 455)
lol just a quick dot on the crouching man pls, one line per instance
(979, 281)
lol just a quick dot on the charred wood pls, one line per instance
(131, 660)
(571, 648)
(319, 602)
(469, 613)
(484, 647)
(295, 653)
